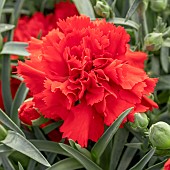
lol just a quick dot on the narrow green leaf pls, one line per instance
(86, 162)
(31, 164)
(166, 43)
(121, 21)
(155, 65)
(51, 157)
(4, 148)
(102, 143)
(16, 156)
(165, 58)
(16, 48)
(141, 164)
(38, 133)
(21, 144)
(157, 166)
(11, 10)
(127, 157)
(6, 27)
(18, 100)
(85, 7)
(132, 9)
(134, 145)
(17, 9)
(20, 166)
(51, 127)
(6, 163)
(9, 123)
(163, 83)
(68, 163)
(49, 146)
(2, 2)
(6, 89)
(119, 140)
(39, 121)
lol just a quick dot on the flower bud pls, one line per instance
(3, 132)
(158, 5)
(141, 121)
(153, 41)
(102, 9)
(159, 135)
(27, 112)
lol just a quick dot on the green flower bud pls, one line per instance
(141, 121)
(3, 132)
(153, 41)
(158, 5)
(159, 135)
(102, 9)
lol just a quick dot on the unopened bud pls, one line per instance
(27, 112)
(141, 122)
(159, 135)
(153, 41)
(158, 5)
(102, 9)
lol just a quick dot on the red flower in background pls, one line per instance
(167, 165)
(86, 77)
(39, 24)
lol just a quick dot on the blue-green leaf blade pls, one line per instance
(102, 143)
(164, 57)
(5, 80)
(21, 144)
(157, 166)
(15, 48)
(86, 162)
(133, 8)
(9, 123)
(2, 2)
(84, 7)
(49, 146)
(121, 21)
(68, 163)
(120, 140)
(20, 166)
(18, 100)
(163, 83)
(6, 27)
(144, 160)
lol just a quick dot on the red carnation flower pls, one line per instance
(167, 165)
(27, 112)
(86, 77)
